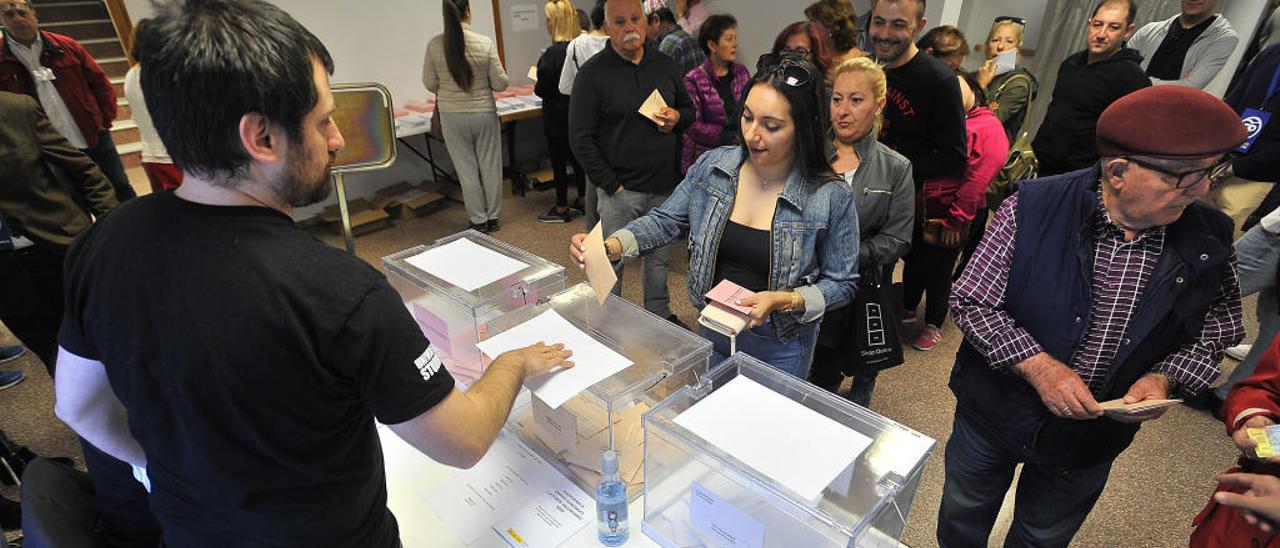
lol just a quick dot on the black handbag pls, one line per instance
(875, 323)
(866, 329)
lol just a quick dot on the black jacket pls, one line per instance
(616, 145)
(555, 105)
(1066, 140)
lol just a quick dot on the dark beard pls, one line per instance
(300, 193)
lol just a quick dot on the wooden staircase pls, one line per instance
(94, 24)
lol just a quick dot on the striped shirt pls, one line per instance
(1121, 272)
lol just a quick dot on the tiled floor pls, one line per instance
(1156, 487)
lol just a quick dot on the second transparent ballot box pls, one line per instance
(457, 285)
(698, 494)
(573, 435)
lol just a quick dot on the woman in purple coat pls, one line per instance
(716, 88)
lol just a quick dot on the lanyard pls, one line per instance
(1271, 90)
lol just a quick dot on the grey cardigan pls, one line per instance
(884, 192)
(489, 76)
(1204, 59)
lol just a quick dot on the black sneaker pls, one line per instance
(673, 319)
(578, 209)
(10, 515)
(482, 227)
(553, 216)
(492, 226)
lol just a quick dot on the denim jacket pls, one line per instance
(814, 237)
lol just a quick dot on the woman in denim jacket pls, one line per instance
(768, 215)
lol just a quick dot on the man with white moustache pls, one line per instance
(631, 158)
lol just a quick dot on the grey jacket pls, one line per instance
(1204, 59)
(485, 65)
(885, 196)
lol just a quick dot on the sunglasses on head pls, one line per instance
(790, 65)
(1017, 20)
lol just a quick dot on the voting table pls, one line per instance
(514, 105)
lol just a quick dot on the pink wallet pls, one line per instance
(728, 293)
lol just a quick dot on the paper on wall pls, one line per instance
(593, 361)
(778, 437)
(525, 17)
(466, 264)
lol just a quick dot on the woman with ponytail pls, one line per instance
(463, 70)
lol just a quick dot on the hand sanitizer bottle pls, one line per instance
(611, 503)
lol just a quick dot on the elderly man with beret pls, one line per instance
(1111, 282)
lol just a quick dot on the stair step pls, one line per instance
(129, 148)
(101, 48)
(83, 29)
(114, 66)
(71, 11)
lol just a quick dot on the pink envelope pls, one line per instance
(728, 293)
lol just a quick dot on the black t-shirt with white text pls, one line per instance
(252, 360)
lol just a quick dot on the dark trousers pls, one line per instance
(108, 160)
(1050, 504)
(927, 272)
(63, 506)
(561, 158)
(977, 228)
(35, 270)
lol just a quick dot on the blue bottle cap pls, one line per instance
(610, 462)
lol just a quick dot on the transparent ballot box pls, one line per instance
(574, 435)
(457, 285)
(697, 494)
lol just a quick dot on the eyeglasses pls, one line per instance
(800, 51)
(791, 65)
(1216, 173)
(1017, 20)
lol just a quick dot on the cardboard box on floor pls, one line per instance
(364, 217)
(403, 200)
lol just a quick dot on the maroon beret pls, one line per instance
(1172, 122)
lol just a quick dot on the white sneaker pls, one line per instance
(1239, 351)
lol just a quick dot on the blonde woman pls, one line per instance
(1010, 94)
(884, 195)
(463, 70)
(563, 26)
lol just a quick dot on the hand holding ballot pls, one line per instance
(766, 302)
(655, 108)
(1146, 400)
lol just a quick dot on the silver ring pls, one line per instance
(1066, 410)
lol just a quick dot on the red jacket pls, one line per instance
(83, 85)
(956, 201)
(1219, 525)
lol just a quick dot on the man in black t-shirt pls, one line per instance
(230, 357)
(924, 115)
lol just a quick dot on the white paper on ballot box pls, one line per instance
(778, 437)
(593, 360)
(466, 264)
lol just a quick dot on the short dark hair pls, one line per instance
(819, 38)
(597, 16)
(807, 112)
(1131, 4)
(584, 20)
(943, 41)
(664, 15)
(713, 28)
(207, 63)
(921, 4)
(979, 95)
